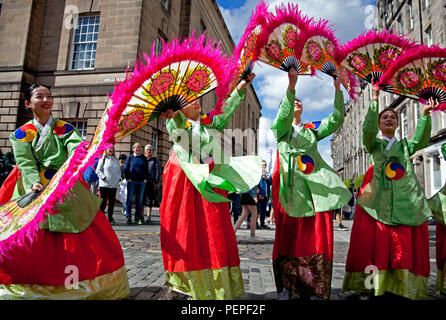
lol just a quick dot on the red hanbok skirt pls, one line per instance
(441, 258)
(198, 242)
(59, 265)
(399, 254)
(303, 249)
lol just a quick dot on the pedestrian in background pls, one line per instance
(122, 159)
(263, 196)
(122, 189)
(235, 208)
(135, 171)
(249, 202)
(92, 178)
(109, 173)
(9, 161)
(153, 177)
(354, 198)
(3, 173)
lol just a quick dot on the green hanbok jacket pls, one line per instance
(307, 183)
(38, 162)
(194, 143)
(390, 201)
(438, 202)
(32, 159)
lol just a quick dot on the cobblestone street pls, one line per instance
(142, 252)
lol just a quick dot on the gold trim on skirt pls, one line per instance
(208, 284)
(110, 286)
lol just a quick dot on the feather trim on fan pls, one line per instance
(258, 18)
(322, 30)
(319, 47)
(244, 51)
(370, 54)
(175, 52)
(279, 38)
(420, 72)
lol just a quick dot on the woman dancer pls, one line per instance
(389, 234)
(73, 254)
(197, 239)
(305, 191)
(438, 206)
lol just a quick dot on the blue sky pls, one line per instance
(348, 18)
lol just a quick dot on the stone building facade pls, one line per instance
(41, 44)
(424, 21)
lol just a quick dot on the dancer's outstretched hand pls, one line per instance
(431, 105)
(292, 79)
(245, 82)
(169, 114)
(337, 81)
(375, 91)
(36, 187)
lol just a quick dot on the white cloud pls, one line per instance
(266, 140)
(237, 19)
(324, 148)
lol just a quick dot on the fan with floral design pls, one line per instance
(182, 73)
(244, 51)
(420, 74)
(319, 48)
(278, 40)
(369, 55)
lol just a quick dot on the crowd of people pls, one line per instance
(133, 180)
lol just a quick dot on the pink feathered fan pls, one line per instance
(319, 48)
(278, 40)
(420, 73)
(182, 73)
(369, 55)
(244, 51)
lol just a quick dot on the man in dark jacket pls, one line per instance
(264, 187)
(153, 178)
(135, 171)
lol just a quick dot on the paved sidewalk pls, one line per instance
(142, 253)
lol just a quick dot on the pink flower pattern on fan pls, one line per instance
(440, 72)
(197, 80)
(314, 51)
(331, 49)
(273, 51)
(359, 63)
(290, 38)
(387, 57)
(132, 119)
(409, 79)
(161, 83)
